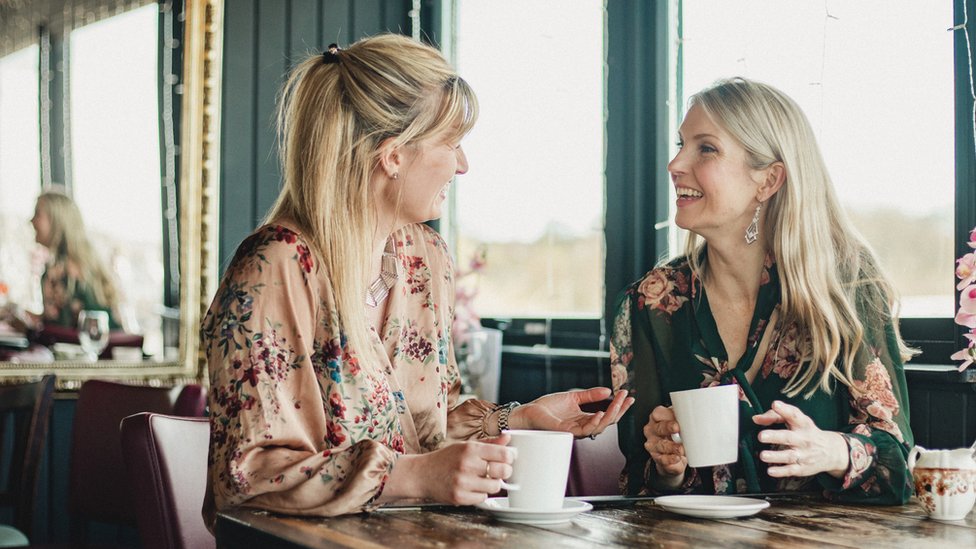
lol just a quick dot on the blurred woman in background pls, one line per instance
(74, 279)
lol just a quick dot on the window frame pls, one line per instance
(639, 77)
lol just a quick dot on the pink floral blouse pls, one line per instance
(301, 425)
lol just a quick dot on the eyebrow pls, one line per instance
(699, 136)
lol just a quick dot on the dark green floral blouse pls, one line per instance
(66, 294)
(665, 339)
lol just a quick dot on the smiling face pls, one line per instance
(716, 187)
(428, 167)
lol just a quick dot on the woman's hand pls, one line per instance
(668, 455)
(562, 412)
(463, 473)
(804, 450)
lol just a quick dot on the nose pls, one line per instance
(675, 167)
(462, 162)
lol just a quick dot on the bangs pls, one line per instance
(449, 111)
(458, 110)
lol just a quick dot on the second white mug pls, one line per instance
(709, 423)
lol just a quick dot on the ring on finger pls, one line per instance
(487, 469)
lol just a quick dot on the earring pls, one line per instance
(752, 231)
(396, 175)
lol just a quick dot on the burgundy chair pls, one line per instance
(97, 489)
(596, 464)
(27, 408)
(166, 462)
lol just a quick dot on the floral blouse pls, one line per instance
(665, 339)
(66, 294)
(301, 425)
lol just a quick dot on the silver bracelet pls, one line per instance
(503, 412)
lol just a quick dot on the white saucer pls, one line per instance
(498, 507)
(712, 506)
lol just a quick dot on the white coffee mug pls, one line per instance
(708, 420)
(540, 470)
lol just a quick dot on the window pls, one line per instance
(897, 136)
(20, 168)
(114, 118)
(876, 80)
(534, 196)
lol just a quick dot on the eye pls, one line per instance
(680, 144)
(707, 149)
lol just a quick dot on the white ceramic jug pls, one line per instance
(945, 481)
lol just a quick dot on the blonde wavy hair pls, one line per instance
(829, 276)
(332, 119)
(69, 242)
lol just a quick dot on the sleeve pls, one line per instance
(281, 436)
(634, 367)
(878, 434)
(466, 420)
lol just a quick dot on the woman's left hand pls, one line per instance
(562, 412)
(804, 450)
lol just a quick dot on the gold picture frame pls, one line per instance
(202, 55)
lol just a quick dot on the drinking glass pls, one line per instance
(93, 332)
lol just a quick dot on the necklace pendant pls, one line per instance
(380, 288)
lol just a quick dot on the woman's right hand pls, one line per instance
(463, 473)
(668, 455)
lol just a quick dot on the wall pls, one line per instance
(262, 40)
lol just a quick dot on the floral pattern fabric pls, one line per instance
(65, 294)
(300, 423)
(665, 339)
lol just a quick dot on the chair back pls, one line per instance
(166, 462)
(595, 467)
(26, 407)
(192, 401)
(96, 491)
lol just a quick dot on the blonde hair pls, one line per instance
(808, 232)
(69, 242)
(332, 119)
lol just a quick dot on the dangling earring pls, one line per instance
(752, 231)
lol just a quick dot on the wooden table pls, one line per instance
(790, 521)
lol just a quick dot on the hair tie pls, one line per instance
(331, 54)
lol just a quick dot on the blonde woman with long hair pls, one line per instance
(776, 293)
(334, 386)
(74, 279)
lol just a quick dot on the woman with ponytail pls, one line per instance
(333, 382)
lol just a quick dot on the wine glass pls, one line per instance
(93, 332)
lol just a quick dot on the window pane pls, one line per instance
(534, 194)
(875, 78)
(115, 154)
(20, 174)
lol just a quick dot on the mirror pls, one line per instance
(200, 121)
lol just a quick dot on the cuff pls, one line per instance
(861, 458)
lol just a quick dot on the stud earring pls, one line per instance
(752, 231)
(396, 175)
